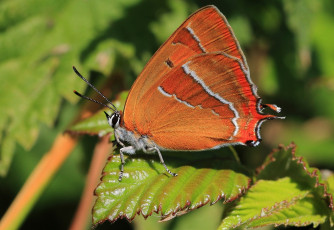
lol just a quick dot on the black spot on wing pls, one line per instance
(169, 63)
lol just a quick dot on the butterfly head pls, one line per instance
(113, 119)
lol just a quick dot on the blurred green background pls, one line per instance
(289, 48)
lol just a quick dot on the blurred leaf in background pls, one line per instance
(288, 45)
(39, 42)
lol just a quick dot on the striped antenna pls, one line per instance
(96, 90)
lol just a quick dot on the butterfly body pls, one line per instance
(135, 142)
(194, 94)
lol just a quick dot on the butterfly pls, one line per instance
(194, 94)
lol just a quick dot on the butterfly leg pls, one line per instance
(162, 160)
(122, 165)
(123, 149)
(128, 150)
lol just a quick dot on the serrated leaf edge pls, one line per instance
(268, 211)
(183, 209)
(300, 160)
(277, 207)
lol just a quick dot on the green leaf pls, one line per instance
(146, 186)
(283, 162)
(288, 192)
(276, 202)
(330, 181)
(39, 43)
(94, 125)
(299, 18)
(310, 210)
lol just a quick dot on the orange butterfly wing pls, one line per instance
(195, 92)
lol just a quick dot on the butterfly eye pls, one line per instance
(113, 120)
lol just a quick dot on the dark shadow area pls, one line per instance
(123, 30)
(121, 224)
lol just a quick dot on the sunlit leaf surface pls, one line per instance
(288, 192)
(147, 188)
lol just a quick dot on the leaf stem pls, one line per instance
(83, 217)
(37, 181)
(235, 154)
